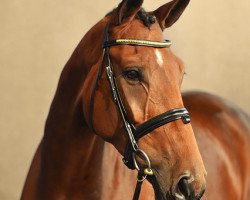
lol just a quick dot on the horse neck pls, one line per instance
(63, 164)
(71, 162)
(84, 167)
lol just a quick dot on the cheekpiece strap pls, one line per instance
(137, 42)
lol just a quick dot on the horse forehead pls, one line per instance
(139, 56)
(159, 58)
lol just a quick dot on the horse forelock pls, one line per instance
(145, 17)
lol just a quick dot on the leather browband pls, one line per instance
(136, 42)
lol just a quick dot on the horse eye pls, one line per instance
(132, 75)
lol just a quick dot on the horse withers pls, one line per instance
(119, 95)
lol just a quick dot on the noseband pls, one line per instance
(135, 133)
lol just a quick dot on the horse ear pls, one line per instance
(127, 9)
(170, 12)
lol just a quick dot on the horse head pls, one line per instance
(148, 79)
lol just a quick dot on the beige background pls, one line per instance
(37, 38)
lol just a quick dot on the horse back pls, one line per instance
(222, 131)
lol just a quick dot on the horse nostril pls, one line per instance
(185, 187)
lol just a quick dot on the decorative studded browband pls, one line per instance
(136, 42)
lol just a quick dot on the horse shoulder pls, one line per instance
(222, 131)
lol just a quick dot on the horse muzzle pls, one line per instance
(183, 189)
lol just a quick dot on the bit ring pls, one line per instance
(144, 158)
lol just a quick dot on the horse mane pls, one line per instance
(146, 18)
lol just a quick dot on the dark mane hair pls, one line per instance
(146, 18)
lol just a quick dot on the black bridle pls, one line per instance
(135, 133)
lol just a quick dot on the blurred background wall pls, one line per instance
(37, 38)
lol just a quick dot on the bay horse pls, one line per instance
(119, 96)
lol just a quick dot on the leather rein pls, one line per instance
(135, 133)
